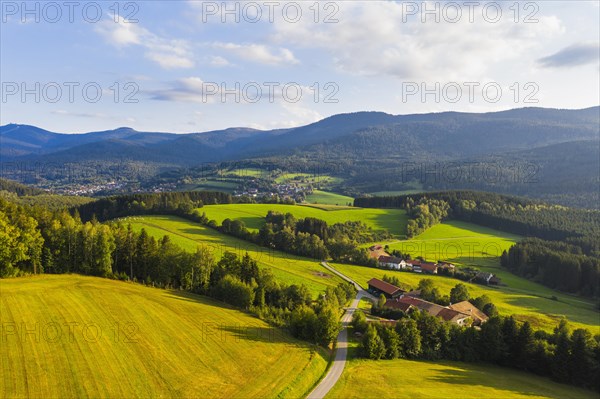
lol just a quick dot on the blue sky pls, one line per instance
(189, 66)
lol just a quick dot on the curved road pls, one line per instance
(335, 372)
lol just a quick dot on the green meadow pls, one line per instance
(253, 215)
(458, 242)
(286, 268)
(302, 178)
(246, 172)
(77, 336)
(402, 378)
(328, 198)
(469, 244)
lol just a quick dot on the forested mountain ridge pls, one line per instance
(441, 133)
(372, 151)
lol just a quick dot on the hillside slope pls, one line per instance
(75, 336)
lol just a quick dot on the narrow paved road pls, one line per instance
(335, 372)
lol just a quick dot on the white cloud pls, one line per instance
(259, 53)
(573, 55)
(218, 61)
(189, 89)
(297, 115)
(168, 53)
(379, 38)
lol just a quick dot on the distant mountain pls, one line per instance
(565, 173)
(24, 140)
(456, 135)
(359, 144)
(449, 134)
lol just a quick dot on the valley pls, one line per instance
(375, 199)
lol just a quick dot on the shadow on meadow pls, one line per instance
(242, 331)
(496, 378)
(254, 333)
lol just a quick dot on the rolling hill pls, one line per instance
(92, 337)
(188, 235)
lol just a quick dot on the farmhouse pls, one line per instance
(413, 293)
(392, 262)
(445, 313)
(454, 316)
(416, 265)
(429, 268)
(432, 308)
(378, 287)
(468, 308)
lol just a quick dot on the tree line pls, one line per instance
(309, 237)
(170, 203)
(36, 240)
(565, 356)
(511, 214)
(18, 188)
(557, 265)
(423, 214)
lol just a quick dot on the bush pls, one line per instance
(359, 322)
(233, 291)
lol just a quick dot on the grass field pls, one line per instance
(470, 244)
(392, 220)
(73, 336)
(328, 198)
(318, 179)
(246, 172)
(458, 242)
(411, 379)
(286, 268)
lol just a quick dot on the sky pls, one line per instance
(193, 66)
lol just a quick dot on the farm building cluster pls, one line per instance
(387, 261)
(461, 313)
